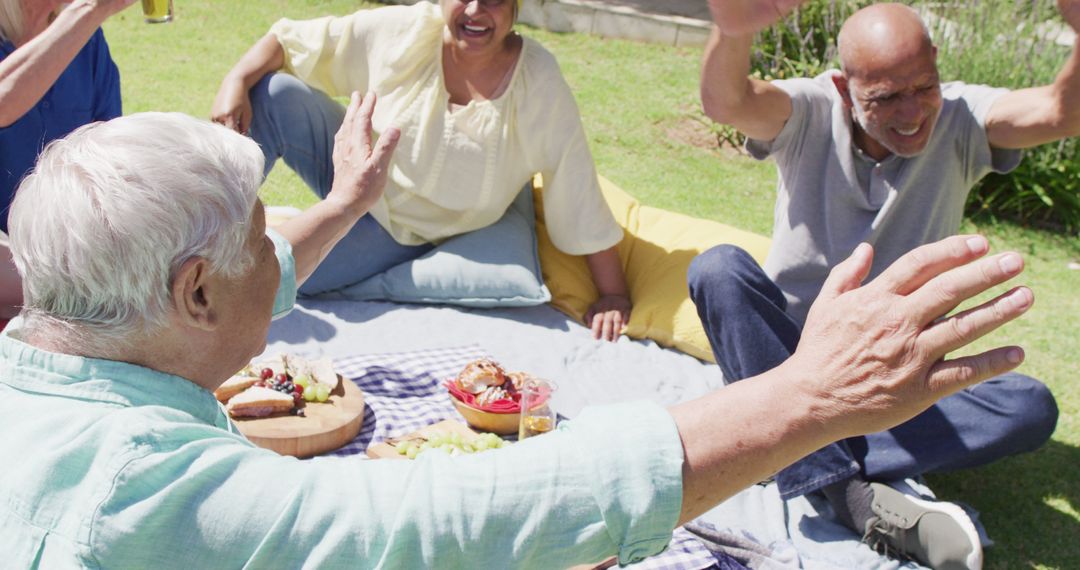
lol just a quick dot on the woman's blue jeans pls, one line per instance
(297, 124)
(744, 316)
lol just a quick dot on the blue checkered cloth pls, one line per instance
(404, 392)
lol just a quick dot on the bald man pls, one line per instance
(879, 151)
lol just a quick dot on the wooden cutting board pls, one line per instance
(383, 450)
(325, 427)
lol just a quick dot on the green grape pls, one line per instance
(412, 452)
(310, 393)
(322, 392)
(302, 380)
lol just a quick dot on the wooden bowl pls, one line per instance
(502, 424)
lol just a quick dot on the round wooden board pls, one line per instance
(325, 427)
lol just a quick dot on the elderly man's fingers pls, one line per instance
(944, 292)
(848, 274)
(367, 108)
(924, 263)
(347, 127)
(950, 376)
(384, 148)
(961, 329)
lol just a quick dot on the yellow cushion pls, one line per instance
(656, 253)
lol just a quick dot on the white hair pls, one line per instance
(110, 213)
(11, 20)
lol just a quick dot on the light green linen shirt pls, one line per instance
(112, 465)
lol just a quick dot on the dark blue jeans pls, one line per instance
(744, 316)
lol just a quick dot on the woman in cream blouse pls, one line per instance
(481, 110)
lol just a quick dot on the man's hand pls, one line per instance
(607, 316)
(1070, 12)
(876, 353)
(360, 172)
(741, 17)
(360, 169)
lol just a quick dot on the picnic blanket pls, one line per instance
(399, 355)
(404, 391)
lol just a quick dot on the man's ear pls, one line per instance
(841, 82)
(192, 292)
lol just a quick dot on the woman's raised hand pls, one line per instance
(361, 168)
(875, 354)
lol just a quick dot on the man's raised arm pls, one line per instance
(728, 95)
(1029, 117)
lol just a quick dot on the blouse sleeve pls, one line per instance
(362, 51)
(578, 219)
(325, 53)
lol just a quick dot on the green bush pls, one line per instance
(1003, 43)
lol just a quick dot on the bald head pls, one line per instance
(881, 37)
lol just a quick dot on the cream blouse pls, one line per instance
(457, 170)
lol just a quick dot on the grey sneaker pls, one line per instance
(935, 533)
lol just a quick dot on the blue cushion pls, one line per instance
(496, 266)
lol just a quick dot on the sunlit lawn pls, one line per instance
(639, 104)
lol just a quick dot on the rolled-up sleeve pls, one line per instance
(324, 53)
(609, 482)
(286, 292)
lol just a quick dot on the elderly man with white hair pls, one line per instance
(149, 279)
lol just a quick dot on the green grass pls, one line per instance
(639, 105)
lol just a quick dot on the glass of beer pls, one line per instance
(157, 11)
(537, 417)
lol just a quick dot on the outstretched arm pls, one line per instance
(870, 357)
(360, 170)
(1029, 117)
(756, 108)
(30, 71)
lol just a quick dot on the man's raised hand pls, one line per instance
(876, 353)
(360, 168)
(740, 17)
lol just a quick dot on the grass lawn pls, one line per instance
(639, 104)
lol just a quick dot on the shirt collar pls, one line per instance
(35, 370)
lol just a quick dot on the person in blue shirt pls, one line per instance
(117, 455)
(56, 75)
